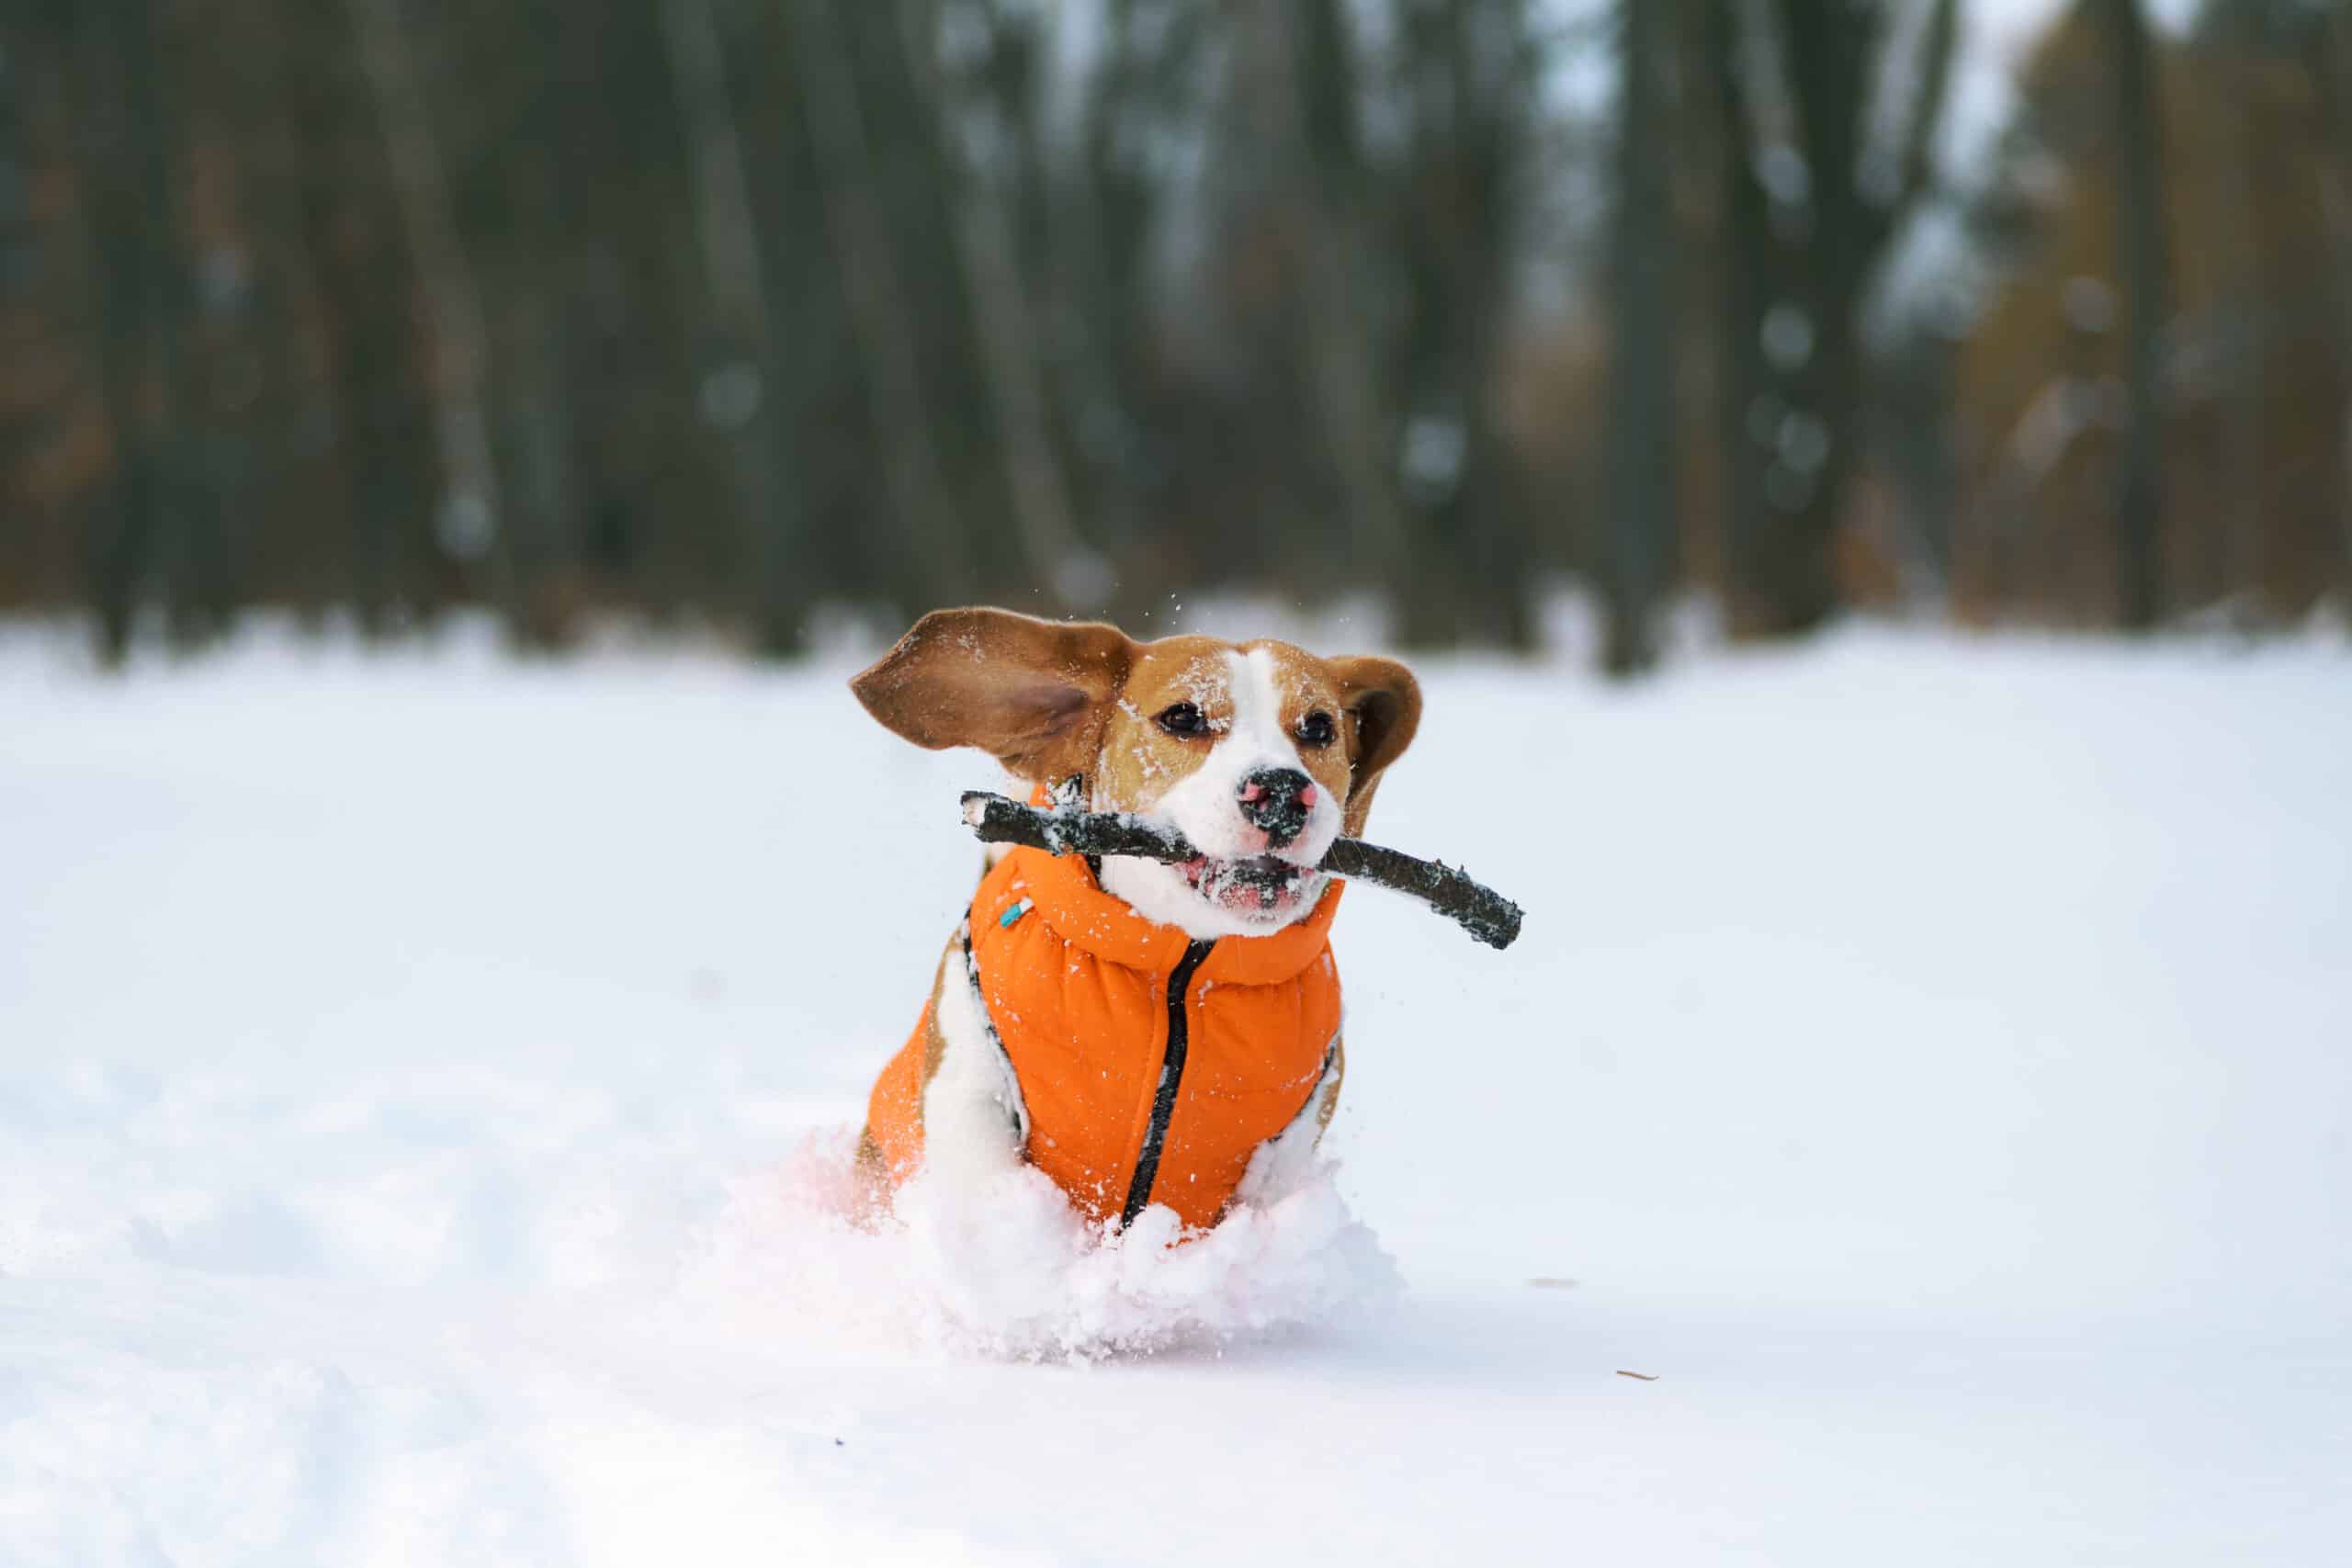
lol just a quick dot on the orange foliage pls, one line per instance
(2260, 326)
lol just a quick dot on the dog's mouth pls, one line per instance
(1263, 886)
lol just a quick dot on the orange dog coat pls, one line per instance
(1152, 1066)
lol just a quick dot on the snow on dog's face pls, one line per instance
(1260, 753)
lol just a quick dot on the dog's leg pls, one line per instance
(974, 1121)
(1282, 1161)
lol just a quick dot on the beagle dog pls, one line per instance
(1144, 1033)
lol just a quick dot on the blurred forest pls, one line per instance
(717, 312)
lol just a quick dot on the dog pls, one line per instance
(1142, 1033)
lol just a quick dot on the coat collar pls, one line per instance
(1081, 914)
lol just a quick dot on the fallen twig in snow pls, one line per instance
(1644, 1377)
(1478, 910)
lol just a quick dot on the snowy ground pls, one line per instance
(1930, 1060)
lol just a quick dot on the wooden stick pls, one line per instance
(1478, 910)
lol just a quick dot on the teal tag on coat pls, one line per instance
(1014, 913)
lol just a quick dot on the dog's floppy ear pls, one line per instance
(1383, 708)
(1032, 694)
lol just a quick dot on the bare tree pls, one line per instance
(1469, 102)
(1839, 189)
(2142, 250)
(1114, 187)
(141, 303)
(324, 197)
(2331, 67)
(1745, 264)
(742, 375)
(989, 100)
(18, 262)
(460, 339)
(2234, 534)
(1641, 463)
(1292, 59)
(880, 308)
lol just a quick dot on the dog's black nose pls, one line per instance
(1278, 799)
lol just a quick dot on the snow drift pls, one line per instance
(1012, 1271)
(422, 1081)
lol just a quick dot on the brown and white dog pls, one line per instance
(1261, 754)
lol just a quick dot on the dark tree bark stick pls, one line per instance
(1478, 910)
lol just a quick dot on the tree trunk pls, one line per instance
(1641, 472)
(335, 208)
(1482, 165)
(987, 255)
(1829, 52)
(1344, 382)
(142, 299)
(20, 576)
(1745, 261)
(1101, 217)
(2142, 252)
(470, 504)
(2332, 74)
(1854, 199)
(939, 555)
(742, 373)
(2237, 534)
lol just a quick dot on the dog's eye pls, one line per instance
(1183, 719)
(1316, 729)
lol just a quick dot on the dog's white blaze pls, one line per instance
(974, 1120)
(1258, 710)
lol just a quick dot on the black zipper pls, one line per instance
(1171, 1075)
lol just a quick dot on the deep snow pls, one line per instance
(1932, 1059)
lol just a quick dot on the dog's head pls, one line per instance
(1259, 752)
